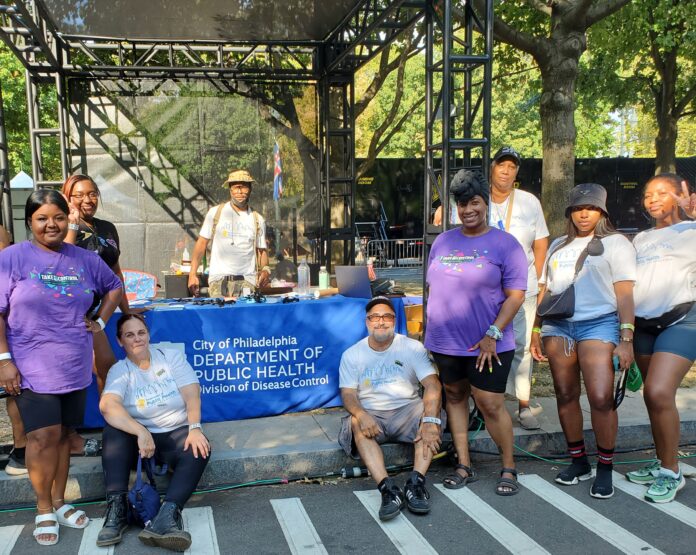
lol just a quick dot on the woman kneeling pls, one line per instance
(151, 403)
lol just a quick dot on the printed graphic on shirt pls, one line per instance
(382, 375)
(157, 393)
(455, 261)
(59, 283)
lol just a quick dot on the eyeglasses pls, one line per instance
(93, 195)
(389, 318)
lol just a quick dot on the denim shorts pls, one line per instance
(604, 328)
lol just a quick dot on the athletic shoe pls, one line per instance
(392, 502)
(602, 487)
(664, 489)
(576, 472)
(646, 475)
(417, 496)
(15, 465)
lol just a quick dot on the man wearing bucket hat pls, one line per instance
(238, 257)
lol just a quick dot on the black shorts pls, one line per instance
(454, 368)
(41, 410)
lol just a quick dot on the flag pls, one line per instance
(277, 173)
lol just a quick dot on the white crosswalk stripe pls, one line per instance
(199, 522)
(673, 509)
(297, 528)
(88, 544)
(688, 471)
(8, 538)
(399, 530)
(502, 530)
(589, 518)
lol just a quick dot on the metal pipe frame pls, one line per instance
(454, 98)
(25, 26)
(337, 178)
(6, 194)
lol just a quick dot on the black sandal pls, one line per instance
(456, 480)
(511, 483)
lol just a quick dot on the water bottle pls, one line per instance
(303, 278)
(323, 278)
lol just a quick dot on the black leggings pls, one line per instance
(120, 453)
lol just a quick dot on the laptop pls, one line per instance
(353, 281)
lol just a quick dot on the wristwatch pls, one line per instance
(196, 426)
(494, 332)
(431, 420)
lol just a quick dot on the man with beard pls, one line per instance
(238, 256)
(379, 378)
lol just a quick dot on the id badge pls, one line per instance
(501, 225)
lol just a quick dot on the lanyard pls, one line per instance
(508, 213)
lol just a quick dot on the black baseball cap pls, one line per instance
(587, 194)
(507, 152)
(380, 300)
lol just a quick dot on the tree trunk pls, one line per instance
(666, 145)
(559, 71)
(665, 101)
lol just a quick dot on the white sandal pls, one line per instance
(71, 521)
(40, 530)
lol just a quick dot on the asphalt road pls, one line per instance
(335, 516)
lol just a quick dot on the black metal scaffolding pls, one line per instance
(458, 52)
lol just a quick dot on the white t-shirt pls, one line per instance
(666, 265)
(594, 286)
(152, 396)
(233, 245)
(388, 379)
(527, 224)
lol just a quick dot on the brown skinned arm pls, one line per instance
(539, 248)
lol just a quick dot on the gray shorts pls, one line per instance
(396, 426)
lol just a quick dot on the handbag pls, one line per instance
(143, 499)
(657, 325)
(562, 305)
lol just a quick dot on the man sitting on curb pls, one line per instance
(379, 378)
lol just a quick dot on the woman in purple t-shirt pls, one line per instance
(476, 279)
(46, 288)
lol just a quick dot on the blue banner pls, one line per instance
(257, 360)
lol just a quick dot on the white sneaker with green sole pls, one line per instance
(646, 475)
(664, 489)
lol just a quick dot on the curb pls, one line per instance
(314, 460)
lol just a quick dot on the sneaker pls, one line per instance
(646, 475)
(576, 472)
(15, 465)
(664, 489)
(602, 487)
(392, 502)
(417, 496)
(527, 419)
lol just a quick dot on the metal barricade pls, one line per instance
(396, 253)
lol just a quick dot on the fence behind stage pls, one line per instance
(396, 253)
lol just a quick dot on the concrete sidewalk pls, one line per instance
(301, 445)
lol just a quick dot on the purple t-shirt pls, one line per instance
(44, 296)
(466, 277)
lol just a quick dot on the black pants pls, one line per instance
(120, 454)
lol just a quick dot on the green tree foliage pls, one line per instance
(16, 120)
(646, 54)
(554, 34)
